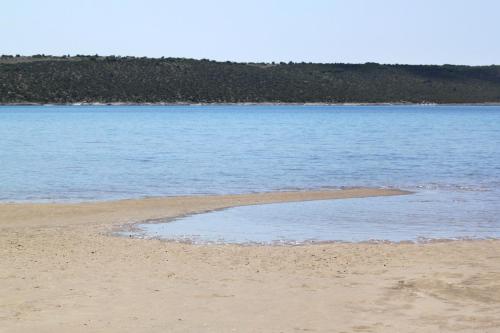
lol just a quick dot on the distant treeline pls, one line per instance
(70, 79)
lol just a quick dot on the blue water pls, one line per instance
(421, 217)
(96, 153)
(56, 153)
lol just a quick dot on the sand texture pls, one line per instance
(61, 271)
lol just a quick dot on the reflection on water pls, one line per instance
(418, 217)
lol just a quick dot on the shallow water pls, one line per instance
(449, 154)
(417, 217)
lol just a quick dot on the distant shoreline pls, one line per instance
(95, 80)
(244, 104)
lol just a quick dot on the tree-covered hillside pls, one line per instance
(45, 79)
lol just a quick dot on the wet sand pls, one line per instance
(60, 271)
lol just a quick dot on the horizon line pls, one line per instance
(96, 55)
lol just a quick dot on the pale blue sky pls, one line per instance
(356, 31)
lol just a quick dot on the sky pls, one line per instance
(349, 31)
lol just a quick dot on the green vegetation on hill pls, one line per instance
(46, 79)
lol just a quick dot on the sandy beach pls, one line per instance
(62, 271)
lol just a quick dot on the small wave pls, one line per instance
(454, 187)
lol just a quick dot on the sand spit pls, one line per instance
(60, 271)
(136, 210)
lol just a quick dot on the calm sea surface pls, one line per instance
(450, 153)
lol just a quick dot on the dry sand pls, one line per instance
(60, 271)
